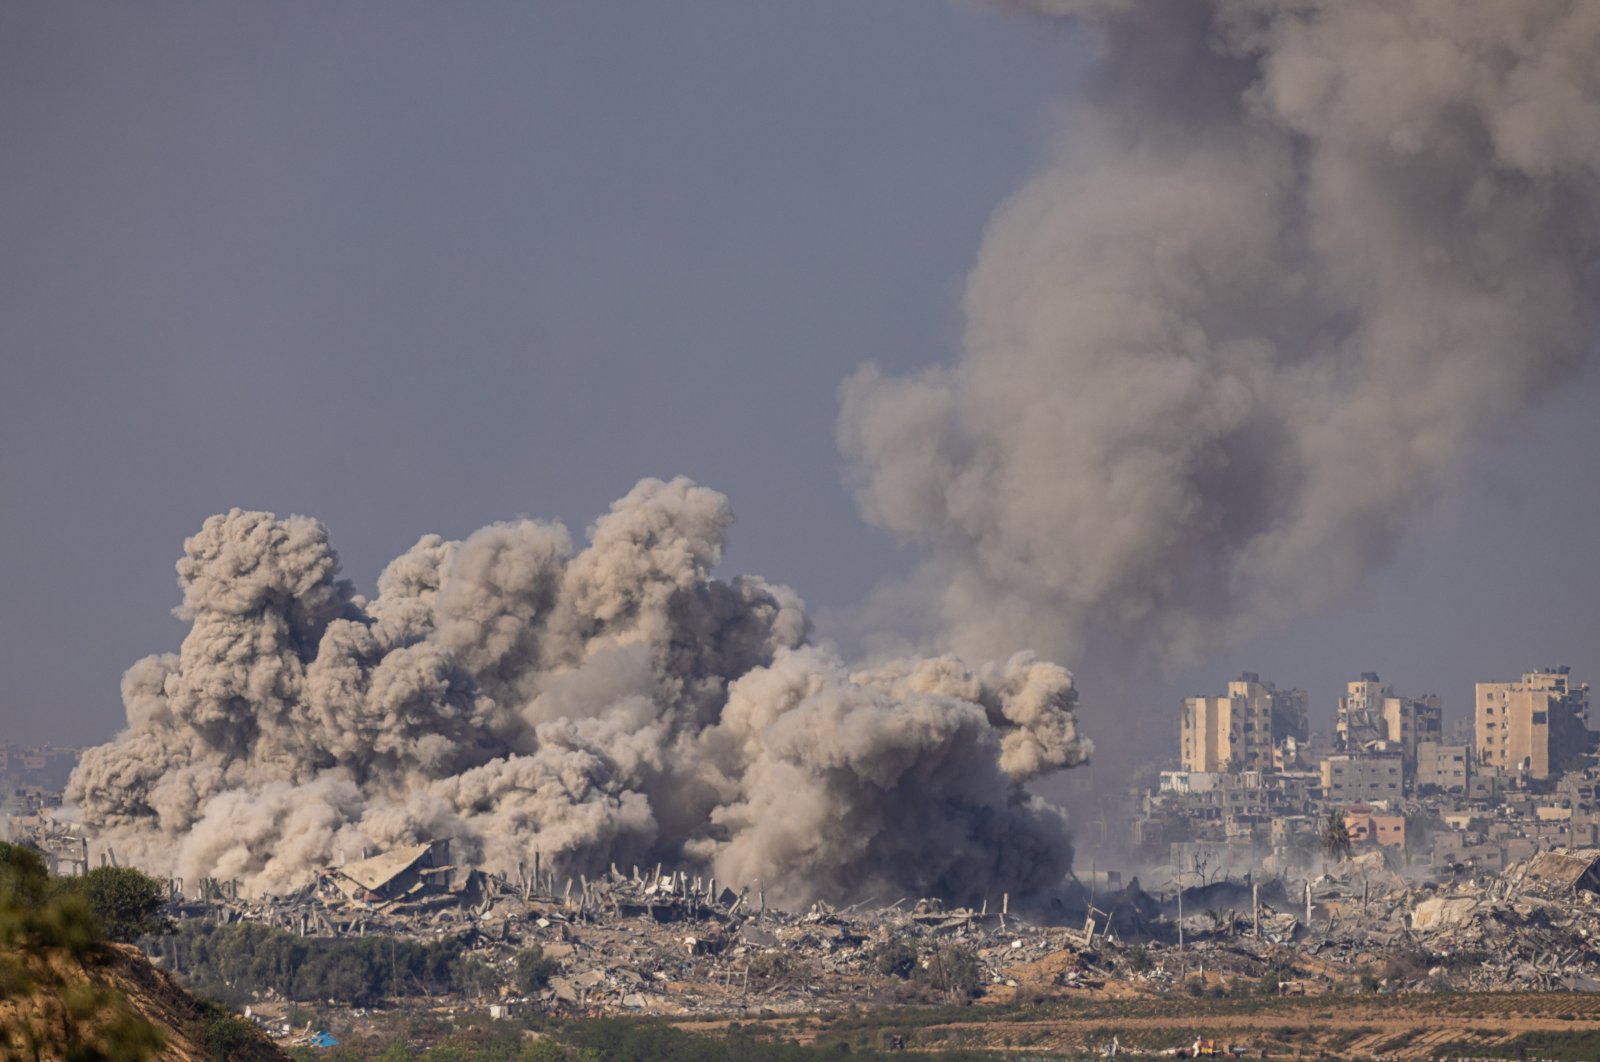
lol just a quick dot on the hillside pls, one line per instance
(70, 992)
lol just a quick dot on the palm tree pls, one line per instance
(1336, 836)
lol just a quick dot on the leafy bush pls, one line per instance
(954, 971)
(534, 969)
(219, 1033)
(895, 958)
(23, 876)
(1272, 980)
(127, 902)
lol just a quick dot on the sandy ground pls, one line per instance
(1345, 1026)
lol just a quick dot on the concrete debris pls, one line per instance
(664, 942)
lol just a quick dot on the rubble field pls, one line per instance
(1351, 961)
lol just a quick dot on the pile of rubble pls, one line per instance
(671, 943)
(662, 941)
(1535, 927)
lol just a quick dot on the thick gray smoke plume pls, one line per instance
(1295, 256)
(613, 705)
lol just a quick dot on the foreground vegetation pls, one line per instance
(243, 961)
(62, 974)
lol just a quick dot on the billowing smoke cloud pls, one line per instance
(614, 705)
(1295, 256)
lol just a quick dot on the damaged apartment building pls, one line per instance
(1251, 785)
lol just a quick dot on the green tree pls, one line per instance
(1336, 836)
(23, 876)
(128, 903)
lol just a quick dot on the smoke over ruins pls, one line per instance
(613, 704)
(1293, 258)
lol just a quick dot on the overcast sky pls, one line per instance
(413, 268)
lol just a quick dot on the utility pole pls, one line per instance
(1180, 912)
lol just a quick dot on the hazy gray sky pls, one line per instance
(414, 268)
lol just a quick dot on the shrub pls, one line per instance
(472, 976)
(534, 969)
(127, 902)
(42, 922)
(954, 971)
(219, 1033)
(895, 958)
(23, 876)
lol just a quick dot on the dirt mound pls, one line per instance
(107, 1000)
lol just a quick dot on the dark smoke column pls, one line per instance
(1296, 256)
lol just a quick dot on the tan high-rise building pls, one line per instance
(1240, 729)
(1538, 725)
(1360, 720)
(1408, 723)
(1372, 719)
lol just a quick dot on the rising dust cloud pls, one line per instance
(614, 704)
(1294, 258)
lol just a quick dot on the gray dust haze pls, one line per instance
(1294, 258)
(613, 704)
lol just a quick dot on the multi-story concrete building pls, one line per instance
(1360, 720)
(1348, 778)
(1443, 767)
(1366, 826)
(1538, 725)
(1241, 729)
(1408, 723)
(1372, 718)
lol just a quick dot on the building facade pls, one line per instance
(1247, 728)
(1538, 725)
(1348, 778)
(1372, 719)
(1443, 767)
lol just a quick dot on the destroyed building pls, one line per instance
(404, 873)
(1241, 729)
(1371, 718)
